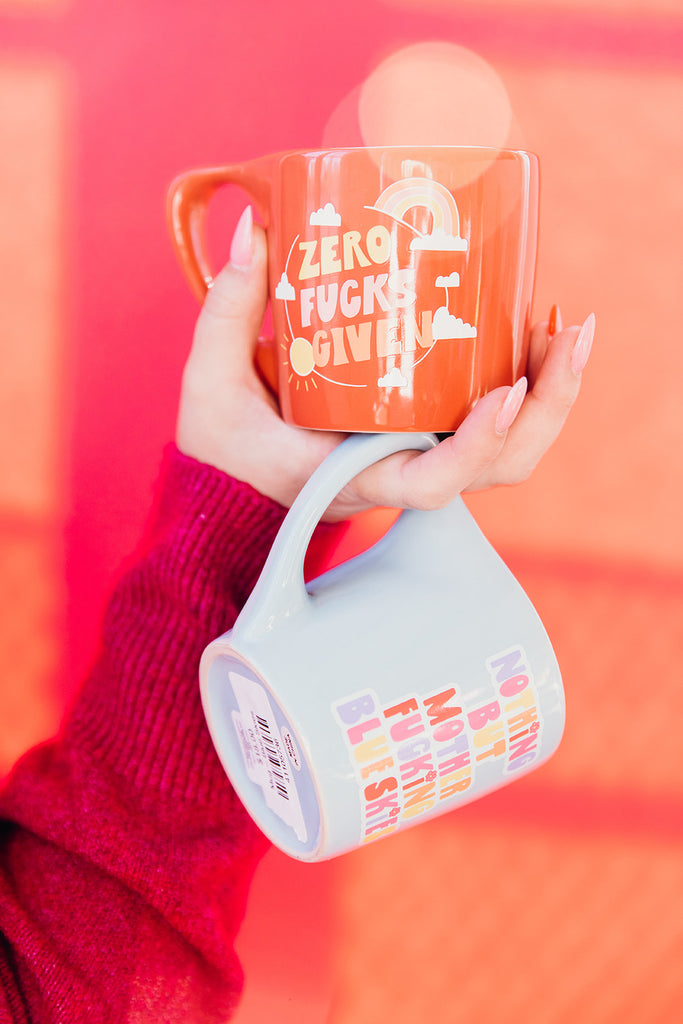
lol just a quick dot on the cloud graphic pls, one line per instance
(393, 379)
(452, 281)
(326, 217)
(284, 289)
(439, 241)
(445, 326)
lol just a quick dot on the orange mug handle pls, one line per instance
(186, 207)
(188, 198)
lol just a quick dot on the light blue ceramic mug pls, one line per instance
(404, 683)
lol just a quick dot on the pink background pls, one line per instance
(560, 898)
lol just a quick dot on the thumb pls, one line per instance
(231, 317)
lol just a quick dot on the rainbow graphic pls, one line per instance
(409, 193)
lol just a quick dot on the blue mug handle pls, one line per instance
(281, 590)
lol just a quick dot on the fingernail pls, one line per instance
(554, 321)
(511, 406)
(582, 345)
(242, 246)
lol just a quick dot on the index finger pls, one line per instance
(432, 479)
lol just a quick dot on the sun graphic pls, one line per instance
(301, 360)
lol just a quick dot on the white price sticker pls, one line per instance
(265, 757)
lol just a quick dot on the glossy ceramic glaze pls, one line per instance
(401, 279)
(401, 685)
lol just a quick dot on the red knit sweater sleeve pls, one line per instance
(125, 857)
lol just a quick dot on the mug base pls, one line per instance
(441, 430)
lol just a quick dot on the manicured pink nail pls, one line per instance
(242, 247)
(583, 344)
(554, 321)
(511, 406)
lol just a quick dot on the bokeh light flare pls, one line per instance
(434, 94)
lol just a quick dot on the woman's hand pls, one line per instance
(228, 418)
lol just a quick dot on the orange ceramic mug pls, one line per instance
(401, 279)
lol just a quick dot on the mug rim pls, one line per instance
(484, 150)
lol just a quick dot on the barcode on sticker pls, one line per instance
(264, 752)
(280, 781)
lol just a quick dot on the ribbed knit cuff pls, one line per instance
(139, 713)
(214, 531)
